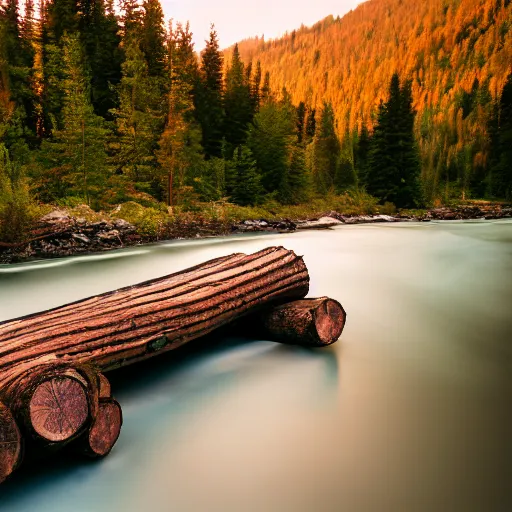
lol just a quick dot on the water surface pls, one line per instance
(409, 411)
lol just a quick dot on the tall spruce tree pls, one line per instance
(501, 145)
(180, 152)
(326, 151)
(99, 31)
(394, 157)
(16, 63)
(74, 161)
(139, 120)
(237, 103)
(209, 108)
(153, 42)
(361, 155)
(247, 187)
(270, 139)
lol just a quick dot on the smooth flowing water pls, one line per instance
(409, 411)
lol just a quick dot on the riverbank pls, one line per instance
(68, 232)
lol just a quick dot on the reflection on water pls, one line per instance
(409, 412)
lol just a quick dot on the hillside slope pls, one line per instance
(458, 54)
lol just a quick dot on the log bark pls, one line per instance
(11, 448)
(119, 328)
(308, 322)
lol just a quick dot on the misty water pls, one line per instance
(409, 411)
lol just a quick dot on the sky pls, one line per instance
(240, 19)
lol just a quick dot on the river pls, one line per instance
(409, 411)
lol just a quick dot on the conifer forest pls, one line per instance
(103, 104)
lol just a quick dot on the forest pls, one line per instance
(104, 105)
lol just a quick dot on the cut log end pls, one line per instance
(308, 322)
(105, 429)
(10, 443)
(59, 408)
(329, 321)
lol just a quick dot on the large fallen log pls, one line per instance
(47, 359)
(131, 324)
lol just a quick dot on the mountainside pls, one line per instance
(457, 53)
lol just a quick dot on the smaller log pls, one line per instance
(10, 443)
(308, 322)
(105, 430)
(106, 426)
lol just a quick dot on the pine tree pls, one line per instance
(310, 125)
(502, 170)
(247, 189)
(297, 177)
(270, 139)
(327, 150)
(394, 157)
(74, 160)
(210, 111)
(266, 92)
(154, 38)
(180, 152)
(346, 176)
(361, 155)
(62, 17)
(139, 121)
(99, 30)
(301, 119)
(16, 62)
(237, 103)
(256, 88)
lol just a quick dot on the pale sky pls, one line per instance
(239, 19)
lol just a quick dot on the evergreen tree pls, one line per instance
(326, 152)
(310, 125)
(346, 176)
(210, 111)
(154, 38)
(502, 161)
(139, 121)
(270, 139)
(99, 30)
(61, 18)
(74, 160)
(266, 92)
(247, 189)
(16, 62)
(301, 119)
(237, 103)
(180, 151)
(298, 183)
(361, 155)
(394, 157)
(255, 88)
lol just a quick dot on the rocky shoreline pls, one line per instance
(58, 234)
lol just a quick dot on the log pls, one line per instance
(106, 426)
(10, 443)
(134, 323)
(105, 429)
(308, 322)
(52, 404)
(49, 361)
